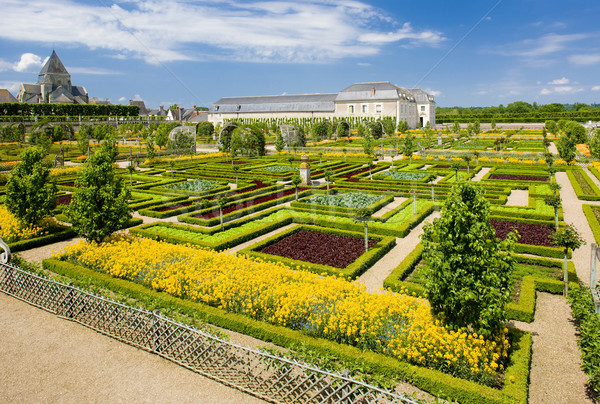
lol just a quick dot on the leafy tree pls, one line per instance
(99, 205)
(567, 238)
(402, 127)
(30, 195)
(467, 268)
(364, 215)
(319, 131)
(279, 144)
(104, 131)
(236, 169)
(59, 133)
(430, 180)
(327, 175)
(409, 146)
(467, 158)
(576, 132)
(551, 127)
(290, 160)
(296, 180)
(368, 146)
(477, 127)
(566, 148)
(389, 125)
(375, 129)
(455, 166)
(554, 201)
(221, 202)
(205, 129)
(150, 151)
(456, 128)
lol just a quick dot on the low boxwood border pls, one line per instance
(60, 233)
(588, 210)
(432, 381)
(524, 310)
(577, 187)
(355, 269)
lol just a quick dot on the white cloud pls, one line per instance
(137, 97)
(122, 99)
(585, 59)
(596, 88)
(435, 93)
(562, 81)
(404, 33)
(244, 30)
(92, 71)
(561, 90)
(29, 63)
(4, 65)
(543, 46)
(12, 86)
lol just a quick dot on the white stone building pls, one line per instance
(360, 100)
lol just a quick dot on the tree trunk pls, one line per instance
(556, 217)
(566, 276)
(432, 193)
(221, 216)
(366, 237)
(327, 187)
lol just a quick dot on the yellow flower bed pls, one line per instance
(583, 149)
(11, 230)
(57, 172)
(394, 324)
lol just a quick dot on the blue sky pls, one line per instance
(467, 53)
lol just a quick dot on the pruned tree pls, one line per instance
(364, 215)
(30, 195)
(569, 239)
(99, 206)
(467, 269)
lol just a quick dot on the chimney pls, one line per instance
(372, 91)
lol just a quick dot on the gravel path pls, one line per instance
(46, 359)
(518, 197)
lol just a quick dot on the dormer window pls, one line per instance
(239, 107)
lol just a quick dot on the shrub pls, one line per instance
(467, 267)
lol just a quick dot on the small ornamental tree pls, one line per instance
(221, 202)
(467, 271)
(566, 148)
(327, 175)
(593, 144)
(409, 146)
(567, 238)
(296, 180)
(99, 205)
(30, 195)
(364, 215)
(455, 166)
(368, 144)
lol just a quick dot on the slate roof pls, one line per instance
(380, 90)
(52, 66)
(277, 103)
(6, 96)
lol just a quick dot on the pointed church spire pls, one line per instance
(52, 66)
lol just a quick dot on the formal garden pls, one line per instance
(473, 223)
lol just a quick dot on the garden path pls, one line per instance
(518, 197)
(481, 174)
(374, 276)
(393, 205)
(47, 359)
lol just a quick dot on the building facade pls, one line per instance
(53, 86)
(371, 100)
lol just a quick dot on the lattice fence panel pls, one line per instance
(259, 373)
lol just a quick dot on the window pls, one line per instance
(422, 108)
(350, 109)
(365, 108)
(378, 108)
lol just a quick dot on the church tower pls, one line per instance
(52, 76)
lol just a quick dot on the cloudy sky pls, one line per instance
(193, 52)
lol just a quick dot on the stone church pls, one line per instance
(53, 86)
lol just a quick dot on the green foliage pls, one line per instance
(205, 129)
(468, 268)
(279, 144)
(104, 131)
(409, 146)
(566, 148)
(593, 144)
(319, 131)
(99, 205)
(30, 195)
(368, 144)
(576, 132)
(588, 324)
(181, 141)
(568, 238)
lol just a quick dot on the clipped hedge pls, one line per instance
(515, 390)
(592, 219)
(59, 233)
(580, 180)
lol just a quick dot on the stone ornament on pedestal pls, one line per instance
(305, 170)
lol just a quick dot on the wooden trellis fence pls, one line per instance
(258, 373)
